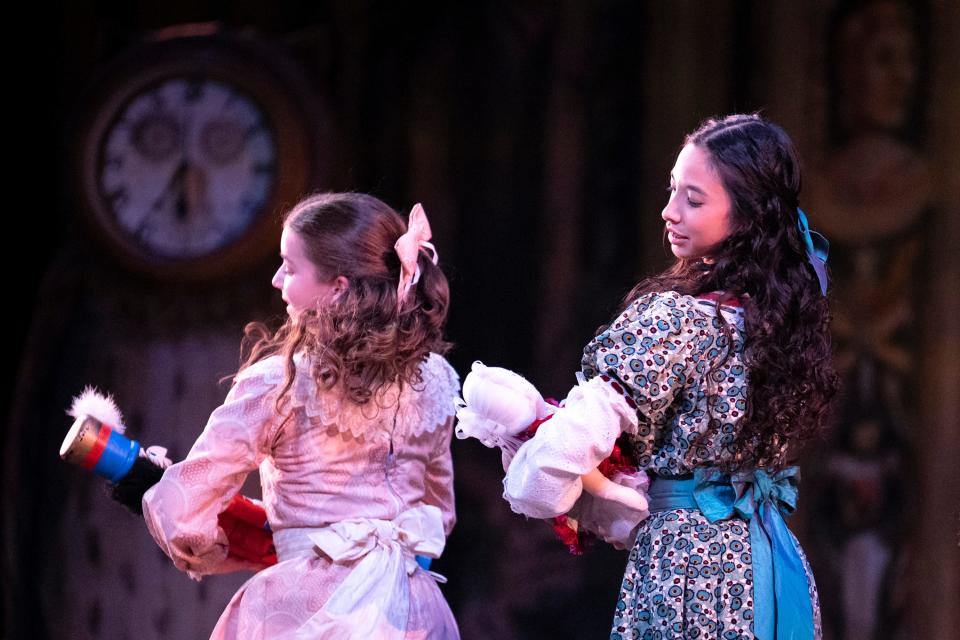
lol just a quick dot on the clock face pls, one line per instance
(186, 165)
(189, 147)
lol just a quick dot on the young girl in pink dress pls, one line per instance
(347, 412)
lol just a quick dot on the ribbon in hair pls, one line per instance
(817, 247)
(408, 247)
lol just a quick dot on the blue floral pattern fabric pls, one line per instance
(682, 365)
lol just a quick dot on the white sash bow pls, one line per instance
(374, 600)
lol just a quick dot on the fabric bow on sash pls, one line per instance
(374, 600)
(782, 608)
(408, 247)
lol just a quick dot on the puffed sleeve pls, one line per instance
(654, 350)
(438, 482)
(181, 510)
(635, 370)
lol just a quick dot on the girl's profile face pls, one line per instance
(297, 277)
(698, 211)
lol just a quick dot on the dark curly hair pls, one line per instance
(763, 262)
(361, 341)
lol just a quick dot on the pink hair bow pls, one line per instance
(408, 248)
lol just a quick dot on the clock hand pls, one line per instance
(175, 179)
(193, 194)
(181, 205)
(184, 203)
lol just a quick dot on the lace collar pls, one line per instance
(423, 408)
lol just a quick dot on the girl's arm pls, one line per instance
(637, 368)
(443, 386)
(438, 483)
(181, 510)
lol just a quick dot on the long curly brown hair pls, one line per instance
(360, 342)
(763, 261)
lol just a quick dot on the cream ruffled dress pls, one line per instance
(352, 494)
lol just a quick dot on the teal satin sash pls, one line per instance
(782, 610)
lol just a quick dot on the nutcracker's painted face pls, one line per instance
(297, 277)
(697, 215)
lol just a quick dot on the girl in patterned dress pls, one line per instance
(714, 374)
(347, 410)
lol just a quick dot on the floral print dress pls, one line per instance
(682, 388)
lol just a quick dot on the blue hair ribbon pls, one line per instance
(817, 247)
